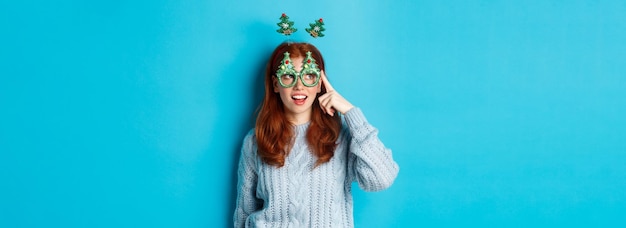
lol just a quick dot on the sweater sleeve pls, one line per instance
(247, 203)
(370, 162)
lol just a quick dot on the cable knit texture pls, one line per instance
(299, 195)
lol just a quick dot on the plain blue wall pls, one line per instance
(131, 113)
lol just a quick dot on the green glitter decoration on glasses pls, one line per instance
(288, 76)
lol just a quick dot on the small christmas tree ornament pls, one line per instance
(286, 26)
(316, 28)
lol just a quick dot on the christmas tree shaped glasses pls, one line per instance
(288, 77)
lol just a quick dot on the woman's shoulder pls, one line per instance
(249, 141)
(250, 133)
(250, 137)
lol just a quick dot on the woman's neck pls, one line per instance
(299, 118)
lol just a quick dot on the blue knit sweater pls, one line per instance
(299, 195)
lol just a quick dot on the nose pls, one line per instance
(299, 85)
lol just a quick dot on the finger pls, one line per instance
(325, 104)
(328, 105)
(326, 83)
(322, 107)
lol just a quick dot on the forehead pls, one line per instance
(297, 62)
(297, 59)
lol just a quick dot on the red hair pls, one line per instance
(274, 133)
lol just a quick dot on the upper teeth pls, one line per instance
(299, 97)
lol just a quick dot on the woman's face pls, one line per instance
(298, 100)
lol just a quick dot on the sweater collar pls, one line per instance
(300, 129)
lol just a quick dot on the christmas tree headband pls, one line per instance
(286, 27)
(310, 74)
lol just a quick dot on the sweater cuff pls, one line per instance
(355, 118)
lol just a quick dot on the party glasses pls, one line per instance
(288, 77)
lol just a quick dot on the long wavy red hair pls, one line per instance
(275, 134)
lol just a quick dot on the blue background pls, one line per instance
(131, 113)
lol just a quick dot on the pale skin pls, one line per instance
(299, 111)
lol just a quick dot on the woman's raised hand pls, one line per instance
(332, 101)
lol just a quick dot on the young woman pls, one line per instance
(297, 166)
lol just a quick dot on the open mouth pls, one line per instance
(298, 97)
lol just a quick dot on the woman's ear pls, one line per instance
(275, 84)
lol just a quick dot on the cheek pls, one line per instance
(284, 93)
